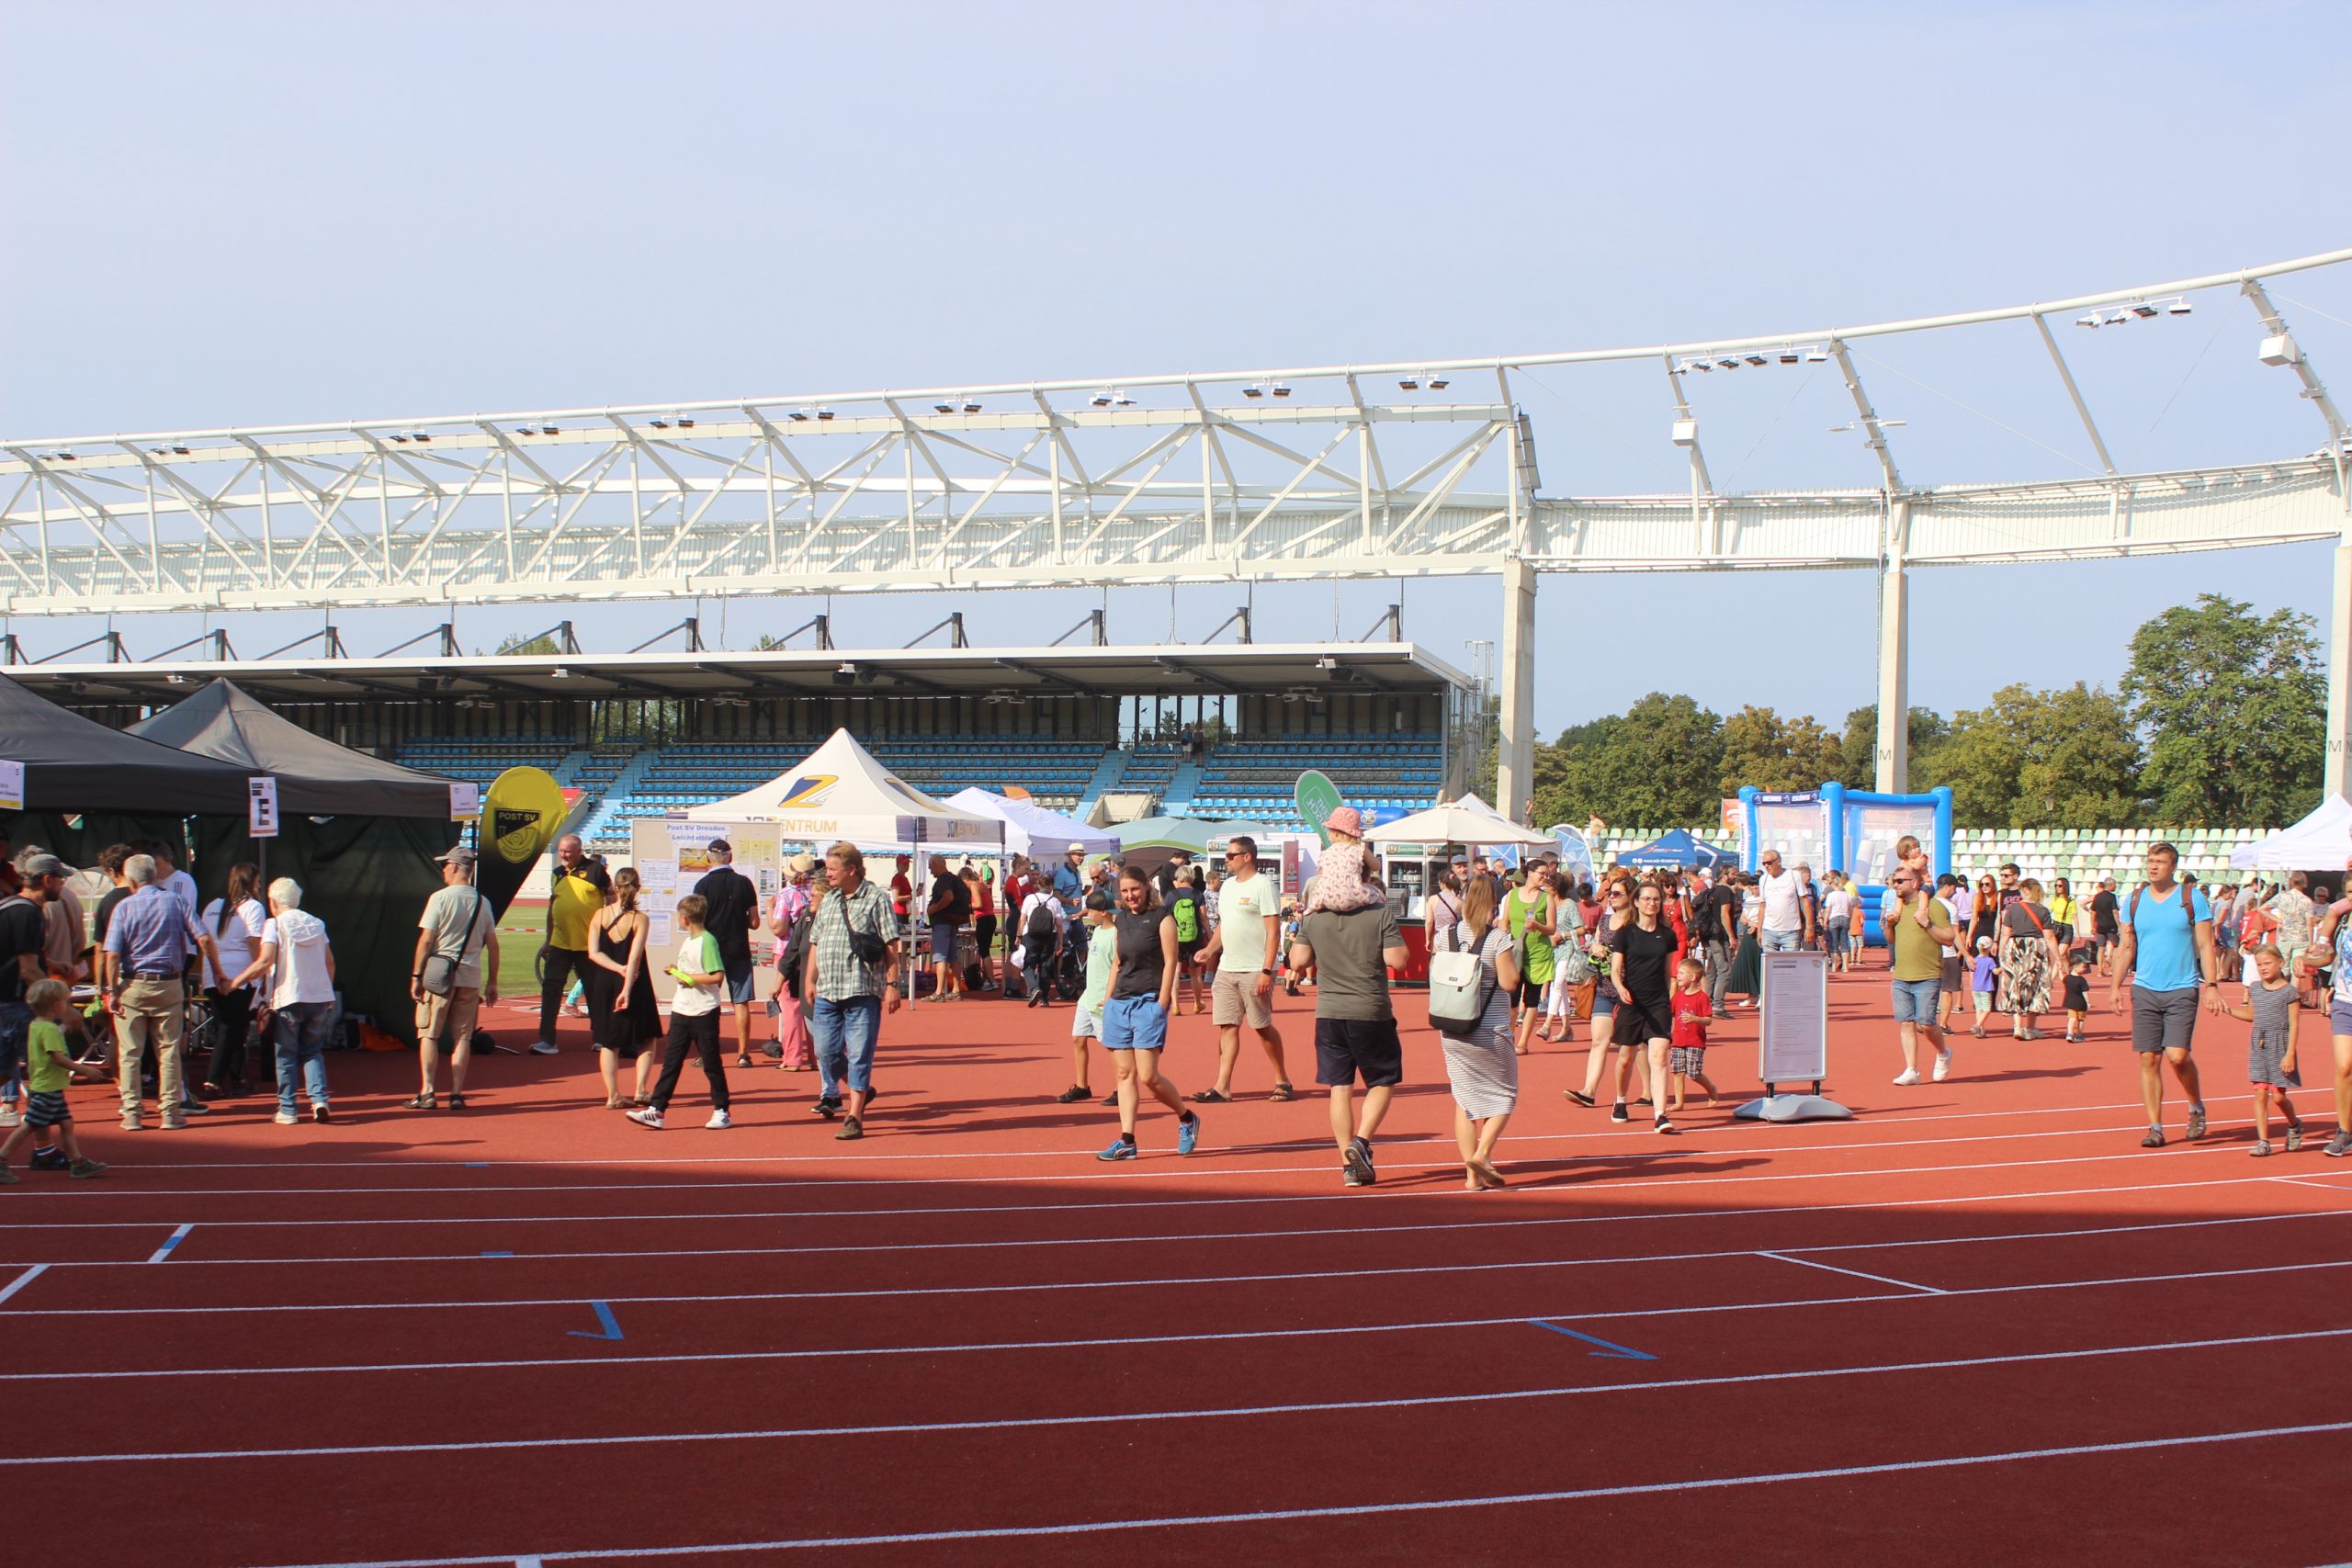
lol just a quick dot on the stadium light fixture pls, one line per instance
(2090, 321)
(1280, 390)
(560, 673)
(1756, 358)
(1437, 383)
(798, 416)
(2144, 310)
(1253, 391)
(1727, 362)
(1788, 356)
(1409, 384)
(548, 429)
(180, 451)
(1102, 399)
(945, 408)
(1124, 401)
(2116, 318)
(525, 429)
(824, 413)
(685, 422)
(2179, 308)
(420, 436)
(402, 439)
(970, 406)
(660, 424)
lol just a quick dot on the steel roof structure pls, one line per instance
(1192, 477)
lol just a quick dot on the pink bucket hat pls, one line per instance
(1345, 820)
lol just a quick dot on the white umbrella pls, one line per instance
(1462, 822)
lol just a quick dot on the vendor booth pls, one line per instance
(2321, 842)
(1677, 849)
(1414, 851)
(358, 833)
(1030, 829)
(838, 793)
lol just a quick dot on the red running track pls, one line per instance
(1976, 1324)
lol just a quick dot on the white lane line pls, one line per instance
(1191, 1171)
(178, 1236)
(1995, 1237)
(1892, 1467)
(2314, 1183)
(893, 1156)
(21, 1280)
(1393, 1195)
(1001, 1423)
(1857, 1273)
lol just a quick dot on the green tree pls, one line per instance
(2231, 704)
(2067, 758)
(1654, 764)
(1858, 747)
(1762, 749)
(542, 643)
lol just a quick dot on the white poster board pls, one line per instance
(671, 855)
(12, 786)
(465, 802)
(1792, 1044)
(261, 807)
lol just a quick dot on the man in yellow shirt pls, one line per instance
(1918, 927)
(577, 893)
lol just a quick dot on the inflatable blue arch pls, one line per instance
(1852, 831)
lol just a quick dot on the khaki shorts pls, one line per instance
(453, 1015)
(1234, 1000)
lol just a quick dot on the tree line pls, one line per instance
(2217, 723)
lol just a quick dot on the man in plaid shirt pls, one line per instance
(845, 992)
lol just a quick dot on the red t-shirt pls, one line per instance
(1691, 1011)
(901, 890)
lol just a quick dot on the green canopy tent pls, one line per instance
(358, 833)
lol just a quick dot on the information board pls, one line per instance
(261, 807)
(1792, 1042)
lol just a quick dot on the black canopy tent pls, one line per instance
(358, 832)
(87, 785)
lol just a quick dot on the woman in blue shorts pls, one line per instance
(1135, 1015)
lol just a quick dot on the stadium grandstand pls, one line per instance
(1101, 732)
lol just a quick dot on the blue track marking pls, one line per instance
(611, 1326)
(1607, 1352)
(177, 1237)
(498, 1255)
(477, 1164)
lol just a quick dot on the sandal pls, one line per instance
(1487, 1173)
(418, 1102)
(1579, 1097)
(742, 1062)
(615, 1102)
(457, 1100)
(1282, 1092)
(1212, 1096)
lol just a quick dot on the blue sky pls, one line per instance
(250, 214)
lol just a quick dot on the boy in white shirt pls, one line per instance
(693, 1017)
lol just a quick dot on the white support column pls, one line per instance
(2339, 668)
(1892, 772)
(1515, 759)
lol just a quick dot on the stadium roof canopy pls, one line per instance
(1226, 669)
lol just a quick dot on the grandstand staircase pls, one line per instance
(1107, 773)
(1176, 799)
(623, 785)
(567, 772)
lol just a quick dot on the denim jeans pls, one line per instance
(15, 1025)
(1779, 941)
(300, 1030)
(845, 1033)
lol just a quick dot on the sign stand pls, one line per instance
(1793, 1041)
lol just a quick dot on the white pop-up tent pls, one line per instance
(1469, 821)
(2321, 842)
(1030, 829)
(840, 792)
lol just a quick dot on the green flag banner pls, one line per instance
(1317, 798)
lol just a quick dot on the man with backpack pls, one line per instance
(1190, 913)
(2166, 945)
(1038, 929)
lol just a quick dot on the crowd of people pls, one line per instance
(1645, 961)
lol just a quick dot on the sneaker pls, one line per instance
(1354, 1175)
(8, 1177)
(1110, 1100)
(1619, 1114)
(828, 1106)
(852, 1129)
(1072, 1095)
(8, 1117)
(1943, 1065)
(284, 1119)
(2294, 1136)
(319, 1113)
(130, 1123)
(1908, 1077)
(1188, 1135)
(1360, 1170)
(2338, 1145)
(2261, 1148)
(1663, 1125)
(647, 1116)
(542, 1047)
(2195, 1123)
(2154, 1140)
(174, 1123)
(51, 1159)
(1120, 1149)
(720, 1122)
(84, 1169)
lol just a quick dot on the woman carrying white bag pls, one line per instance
(1474, 973)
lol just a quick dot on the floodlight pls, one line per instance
(1788, 356)
(2089, 320)
(1102, 399)
(970, 406)
(419, 435)
(685, 424)
(1728, 362)
(1280, 391)
(2179, 308)
(1410, 384)
(525, 429)
(797, 415)
(548, 429)
(2144, 310)
(945, 408)
(2116, 318)
(1125, 402)
(1756, 358)
(182, 451)
(824, 413)
(1437, 383)
(1816, 357)
(402, 439)
(661, 425)
(1253, 391)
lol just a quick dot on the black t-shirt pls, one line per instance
(2078, 994)
(106, 910)
(21, 930)
(1648, 956)
(2103, 912)
(731, 897)
(1707, 912)
(959, 908)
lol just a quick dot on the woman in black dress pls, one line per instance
(621, 1006)
(1641, 967)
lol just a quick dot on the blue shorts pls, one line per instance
(2340, 1017)
(742, 980)
(1915, 1001)
(942, 944)
(1134, 1023)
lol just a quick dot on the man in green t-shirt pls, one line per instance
(1244, 947)
(1918, 928)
